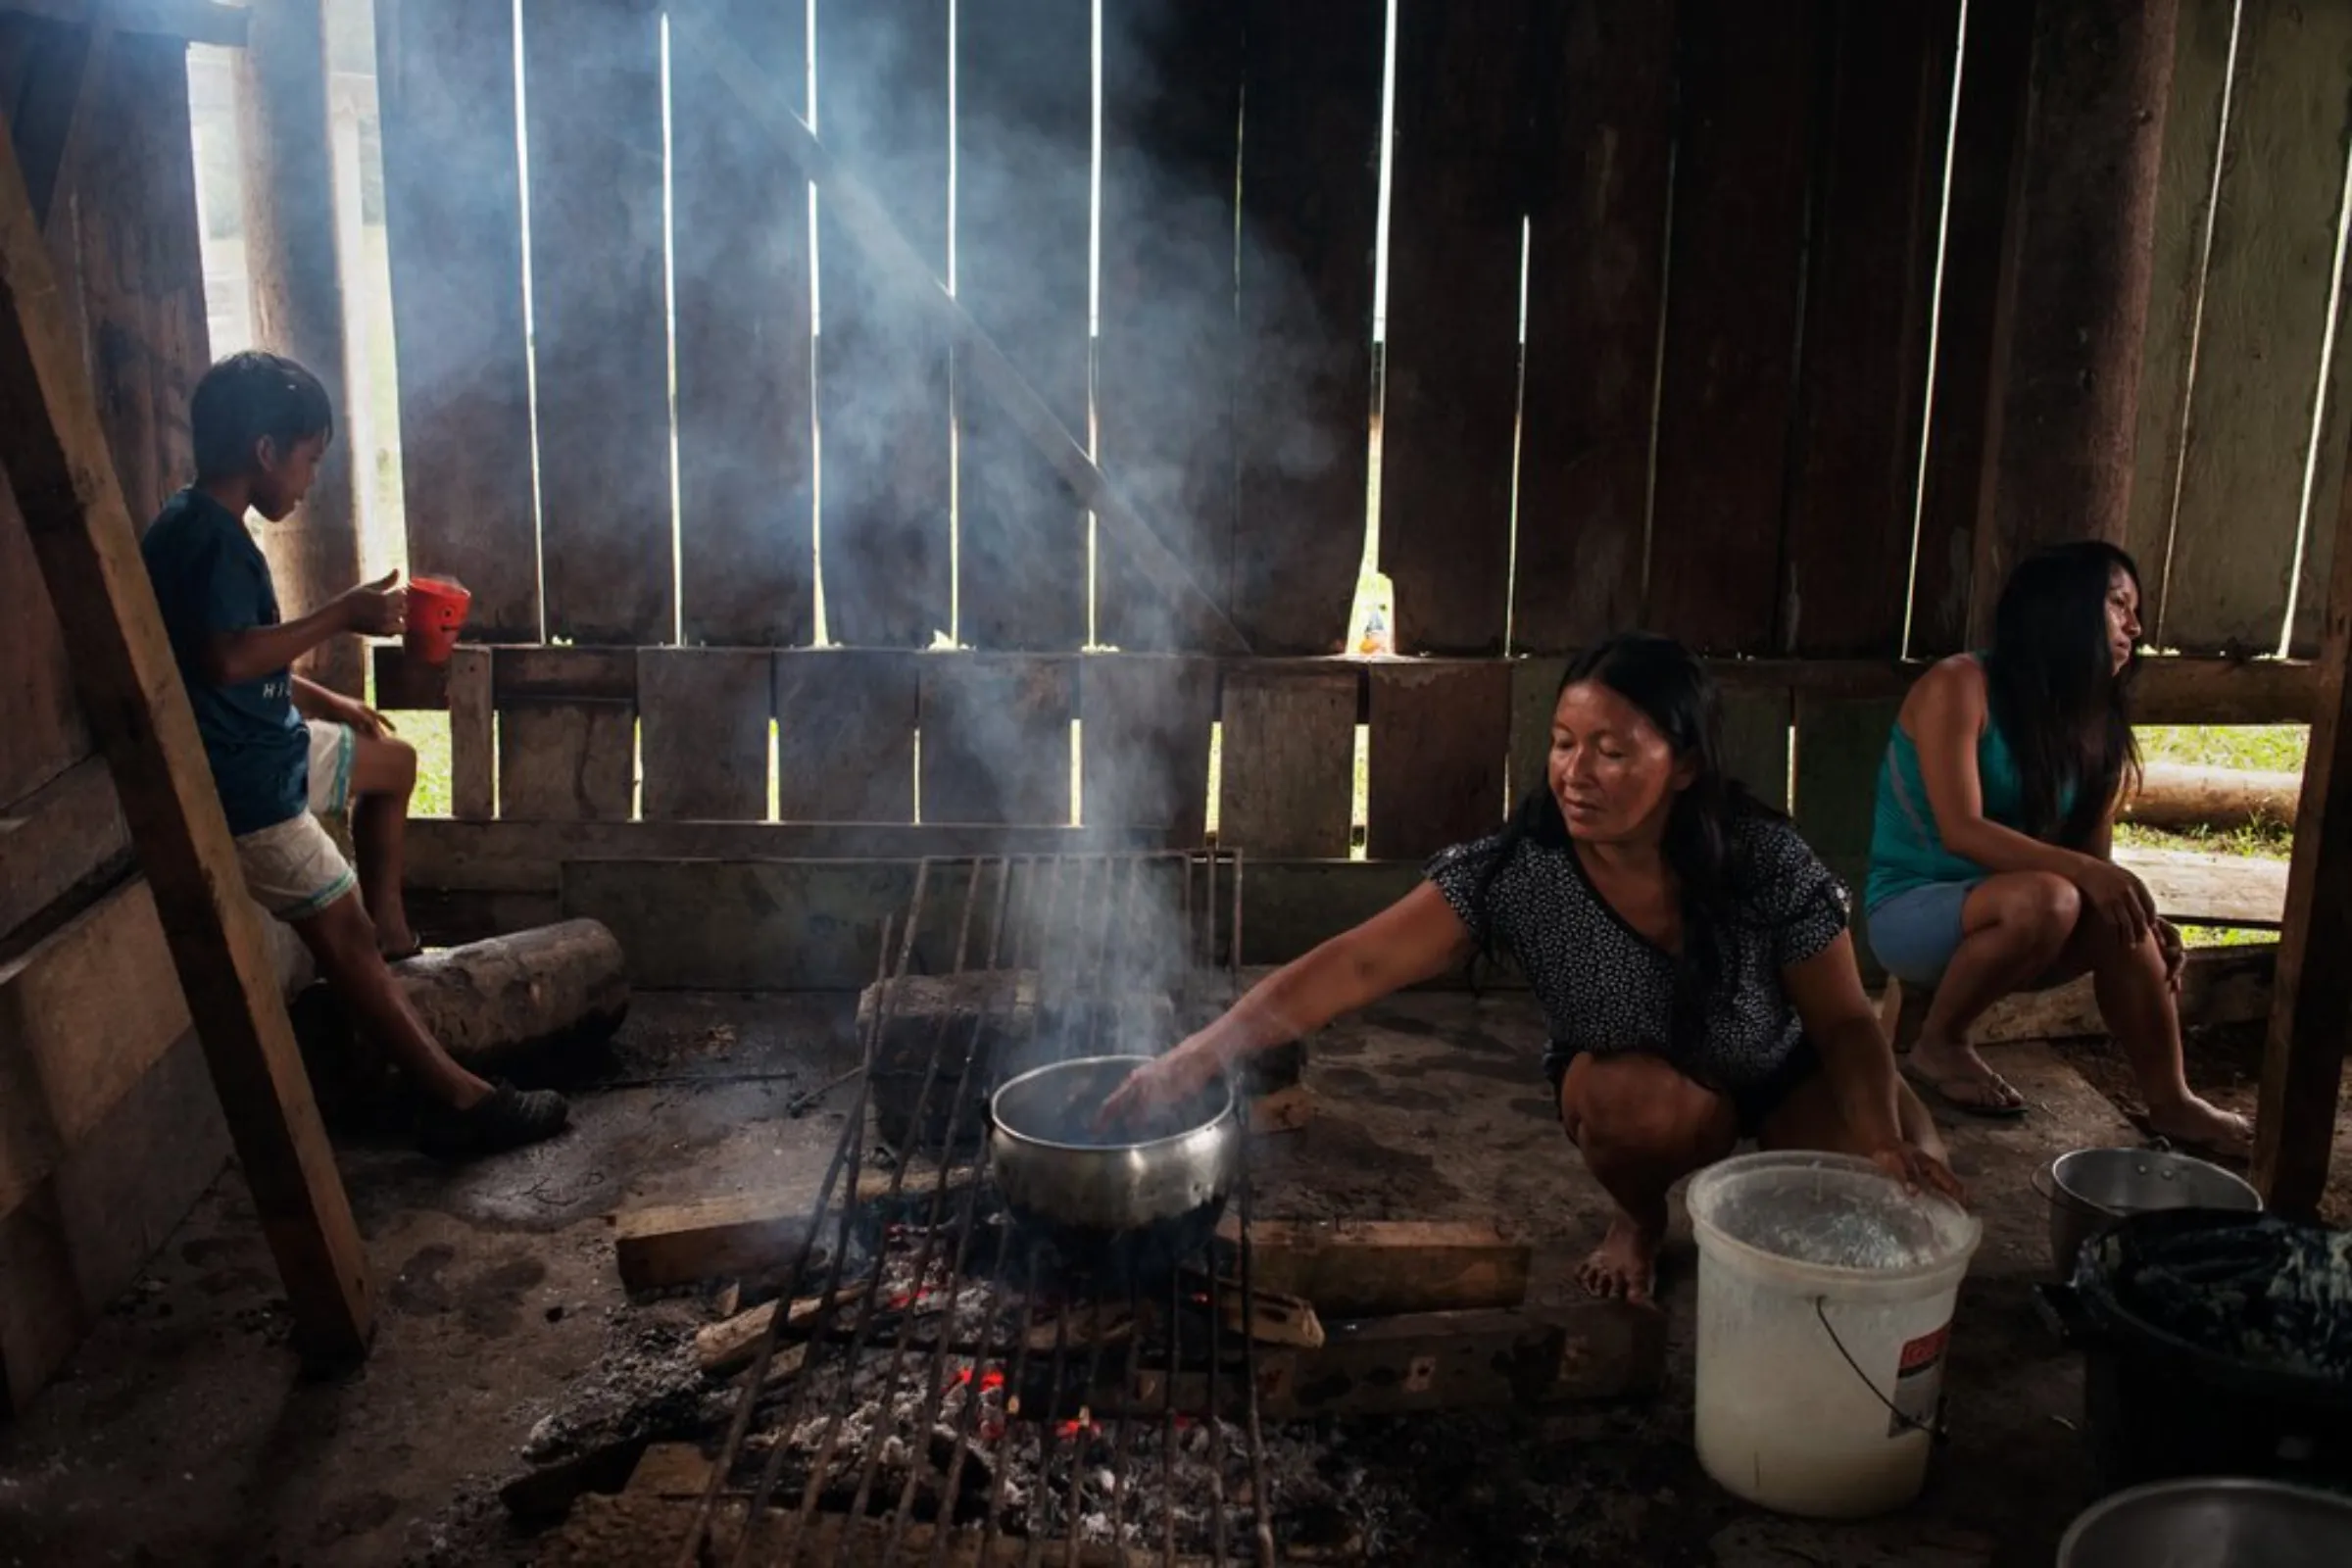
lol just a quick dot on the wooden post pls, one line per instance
(2311, 998)
(287, 139)
(2073, 296)
(56, 459)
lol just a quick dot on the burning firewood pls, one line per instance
(1270, 1317)
(723, 1346)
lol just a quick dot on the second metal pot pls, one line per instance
(2091, 1188)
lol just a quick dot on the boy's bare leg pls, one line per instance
(383, 775)
(344, 942)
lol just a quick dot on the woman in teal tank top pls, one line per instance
(1989, 859)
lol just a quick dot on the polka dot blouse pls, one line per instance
(1605, 988)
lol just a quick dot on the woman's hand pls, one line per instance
(2175, 954)
(1919, 1170)
(1169, 1080)
(2118, 898)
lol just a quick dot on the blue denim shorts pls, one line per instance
(1916, 932)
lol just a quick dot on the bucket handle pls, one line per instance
(1936, 1429)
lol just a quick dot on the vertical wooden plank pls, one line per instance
(1596, 273)
(1839, 744)
(1746, 80)
(1450, 407)
(1863, 366)
(1286, 771)
(567, 759)
(445, 81)
(1144, 722)
(1440, 734)
(1024, 91)
(1985, 141)
(2192, 146)
(706, 736)
(37, 712)
(599, 319)
(882, 367)
(1756, 741)
(133, 209)
(995, 738)
(845, 735)
(2073, 299)
(2268, 289)
(2306, 633)
(1165, 355)
(747, 498)
(1535, 693)
(296, 282)
(1311, 185)
(472, 737)
(55, 456)
(2303, 1063)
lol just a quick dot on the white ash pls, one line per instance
(648, 1381)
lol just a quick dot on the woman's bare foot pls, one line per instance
(1625, 1263)
(2201, 1125)
(1958, 1076)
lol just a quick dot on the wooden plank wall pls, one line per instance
(1661, 281)
(108, 1125)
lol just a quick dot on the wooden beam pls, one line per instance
(2310, 1000)
(195, 21)
(1416, 1364)
(295, 283)
(849, 203)
(1373, 1268)
(57, 461)
(679, 1244)
(57, 95)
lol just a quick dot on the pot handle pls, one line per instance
(2060, 1309)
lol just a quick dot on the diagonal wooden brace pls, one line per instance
(848, 199)
(56, 457)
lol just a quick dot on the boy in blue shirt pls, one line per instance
(283, 747)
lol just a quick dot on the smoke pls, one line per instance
(1075, 178)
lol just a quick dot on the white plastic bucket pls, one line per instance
(1825, 1303)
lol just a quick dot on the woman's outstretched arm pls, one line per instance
(1417, 937)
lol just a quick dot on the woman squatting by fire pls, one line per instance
(1690, 952)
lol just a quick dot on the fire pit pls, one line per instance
(947, 1377)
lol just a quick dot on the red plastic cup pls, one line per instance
(436, 612)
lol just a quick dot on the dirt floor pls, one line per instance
(182, 1434)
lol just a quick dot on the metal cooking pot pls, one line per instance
(2212, 1523)
(1160, 1189)
(2090, 1189)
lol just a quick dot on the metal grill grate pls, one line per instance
(943, 1338)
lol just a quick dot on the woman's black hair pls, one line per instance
(2052, 686)
(1673, 690)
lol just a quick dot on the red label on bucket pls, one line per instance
(1923, 1352)
(1918, 1383)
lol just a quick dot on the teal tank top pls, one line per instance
(1906, 851)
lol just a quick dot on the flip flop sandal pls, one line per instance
(1934, 1093)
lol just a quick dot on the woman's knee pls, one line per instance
(2039, 907)
(1636, 1103)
